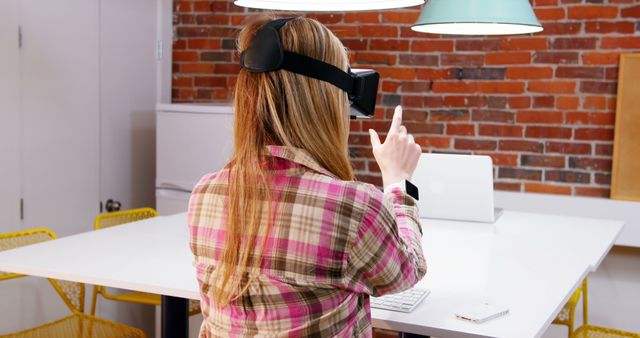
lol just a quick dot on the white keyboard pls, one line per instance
(405, 301)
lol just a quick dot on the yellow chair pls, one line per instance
(111, 219)
(77, 324)
(567, 316)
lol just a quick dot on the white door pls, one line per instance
(60, 102)
(9, 116)
(127, 101)
(9, 151)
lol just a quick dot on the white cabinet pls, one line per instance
(192, 140)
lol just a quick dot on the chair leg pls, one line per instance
(585, 303)
(94, 299)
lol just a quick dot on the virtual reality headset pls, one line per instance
(265, 54)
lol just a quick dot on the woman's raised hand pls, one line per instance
(398, 155)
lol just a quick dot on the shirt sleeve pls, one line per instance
(386, 255)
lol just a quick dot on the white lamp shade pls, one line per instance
(478, 17)
(327, 5)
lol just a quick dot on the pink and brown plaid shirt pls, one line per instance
(333, 244)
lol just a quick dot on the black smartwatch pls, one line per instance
(407, 187)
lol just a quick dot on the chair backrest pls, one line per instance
(110, 219)
(72, 293)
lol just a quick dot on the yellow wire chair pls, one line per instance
(586, 330)
(110, 219)
(77, 324)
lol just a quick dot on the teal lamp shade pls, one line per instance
(478, 17)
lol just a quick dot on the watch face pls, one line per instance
(412, 190)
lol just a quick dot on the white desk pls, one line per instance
(528, 262)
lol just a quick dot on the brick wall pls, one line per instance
(542, 106)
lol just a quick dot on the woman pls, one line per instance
(286, 243)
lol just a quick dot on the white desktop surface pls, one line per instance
(529, 263)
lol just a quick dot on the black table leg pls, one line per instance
(175, 317)
(410, 335)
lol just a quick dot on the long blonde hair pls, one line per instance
(277, 108)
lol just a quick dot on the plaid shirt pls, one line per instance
(333, 244)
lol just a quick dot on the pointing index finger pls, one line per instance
(396, 122)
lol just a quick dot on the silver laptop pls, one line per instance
(456, 187)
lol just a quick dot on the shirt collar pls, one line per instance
(299, 156)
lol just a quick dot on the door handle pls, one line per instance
(112, 205)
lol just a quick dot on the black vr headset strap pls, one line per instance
(319, 70)
(304, 65)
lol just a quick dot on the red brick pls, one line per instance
(548, 132)
(580, 72)
(415, 86)
(568, 148)
(227, 68)
(389, 44)
(567, 176)
(542, 161)
(471, 144)
(592, 192)
(547, 189)
(602, 178)
(501, 87)
(454, 87)
(544, 101)
(500, 130)
(433, 142)
(435, 74)
(492, 116)
(546, 3)
(523, 44)
(185, 56)
(502, 159)
(449, 115)
(206, 44)
(179, 81)
(529, 72)
(327, 18)
(534, 116)
(521, 174)
(432, 45)
(590, 134)
(376, 58)
(362, 17)
(595, 102)
(462, 59)
(589, 163)
(620, 43)
(596, 58)
(390, 86)
(544, 14)
(400, 17)
(556, 57)
(521, 145)
(610, 27)
(516, 102)
(561, 28)
(567, 102)
(475, 44)
(631, 12)
(507, 186)
(210, 81)
(397, 73)
(196, 68)
(592, 12)
(598, 87)
(508, 58)
(461, 129)
(419, 60)
(604, 149)
(574, 43)
(355, 44)
(557, 87)
(378, 31)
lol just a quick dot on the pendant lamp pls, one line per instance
(327, 5)
(478, 17)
